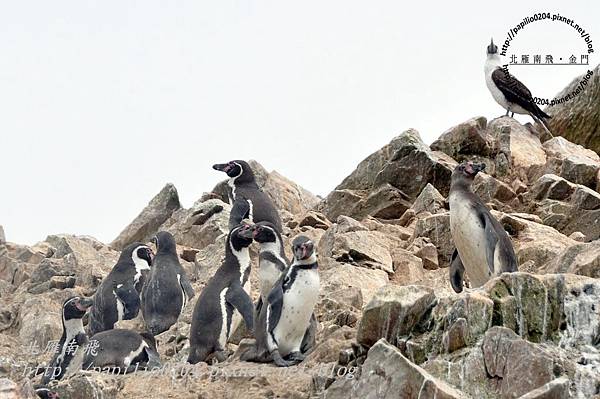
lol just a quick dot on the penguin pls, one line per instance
(272, 263)
(118, 296)
(272, 260)
(121, 351)
(45, 393)
(223, 295)
(283, 322)
(69, 353)
(167, 289)
(247, 199)
(483, 248)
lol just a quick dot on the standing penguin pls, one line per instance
(121, 350)
(271, 257)
(247, 199)
(483, 248)
(283, 322)
(69, 353)
(272, 263)
(118, 297)
(167, 289)
(213, 317)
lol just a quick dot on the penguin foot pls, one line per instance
(296, 357)
(279, 361)
(221, 356)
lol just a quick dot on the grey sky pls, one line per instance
(104, 102)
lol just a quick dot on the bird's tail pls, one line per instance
(541, 120)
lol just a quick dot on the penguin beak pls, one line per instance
(84, 304)
(222, 167)
(247, 231)
(303, 251)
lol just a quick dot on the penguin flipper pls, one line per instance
(457, 270)
(130, 299)
(309, 339)
(239, 211)
(239, 299)
(186, 286)
(491, 237)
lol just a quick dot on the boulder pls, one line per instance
(2, 236)
(436, 228)
(360, 247)
(393, 312)
(518, 365)
(572, 162)
(146, 224)
(201, 225)
(429, 200)
(466, 139)
(339, 276)
(387, 374)
(579, 258)
(525, 155)
(578, 119)
(555, 389)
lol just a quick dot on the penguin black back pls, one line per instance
(223, 294)
(68, 356)
(167, 290)
(118, 296)
(247, 199)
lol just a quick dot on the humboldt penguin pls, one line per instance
(283, 321)
(70, 350)
(483, 248)
(247, 199)
(221, 299)
(118, 296)
(167, 289)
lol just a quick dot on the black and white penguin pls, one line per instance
(272, 260)
(508, 91)
(167, 289)
(282, 324)
(223, 296)
(45, 393)
(483, 248)
(121, 350)
(247, 199)
(272, 263)
(69, 353)
(118, 296)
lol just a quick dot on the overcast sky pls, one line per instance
(103, 102)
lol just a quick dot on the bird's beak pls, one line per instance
(221, 167)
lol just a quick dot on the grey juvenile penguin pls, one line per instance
(118, 296)
(167, 289)
(225, 293)
(121, 350)
(483, 248)
(247, 199)
(69, 353)
(282, 323)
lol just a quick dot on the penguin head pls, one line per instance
(165, 242)
(241, 236)
(138, 252)
(492, 48)
(75, 307)
(45, 393)
(264, 232)
(239, 171)
(303, 249)
(467, 171)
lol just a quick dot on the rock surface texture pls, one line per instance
(389, 323)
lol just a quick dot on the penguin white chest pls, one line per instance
(298, 305)
(268, 273)
(469, 237)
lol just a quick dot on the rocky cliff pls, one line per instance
(390, 325)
